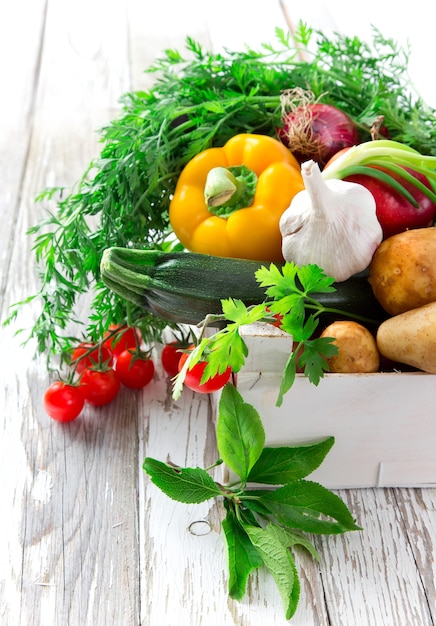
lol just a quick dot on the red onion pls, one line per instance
(313, 130)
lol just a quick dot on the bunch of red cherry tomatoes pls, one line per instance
(119, 360)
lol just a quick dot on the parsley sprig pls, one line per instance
(262, 526)
(291, 294)
(200, 99)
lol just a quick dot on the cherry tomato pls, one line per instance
(133, 370)
(170, 357)
(99, 387)
(278, 318)
(100, 355)
(194, 375)
(63, 402)
(127, 338)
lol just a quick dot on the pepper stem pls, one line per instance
(229, 189)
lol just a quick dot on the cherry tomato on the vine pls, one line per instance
(134, 370)
(99, 387)
(170, 357)
(63, 402)
(127, 338)
(89, 355)
(193, 377)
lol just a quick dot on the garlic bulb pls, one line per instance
(331, 223)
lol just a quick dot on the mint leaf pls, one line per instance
(291, 538)
(277, 466)
(279, 562)
(242, 555)
(184, 484)
(306, 505)
(240, 433)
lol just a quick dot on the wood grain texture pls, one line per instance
(85, 538)
(19, 80)
(377, 565)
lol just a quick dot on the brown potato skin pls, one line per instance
(357, 348)
(410, 338)
(402, 273)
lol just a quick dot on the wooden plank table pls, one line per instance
(85, 539)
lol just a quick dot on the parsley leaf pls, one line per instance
(294, 289)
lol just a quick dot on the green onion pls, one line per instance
(390, 155)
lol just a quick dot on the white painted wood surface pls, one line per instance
(85, 539)
(381, 439)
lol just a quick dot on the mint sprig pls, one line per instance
(262, 526)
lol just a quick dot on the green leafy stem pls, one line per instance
(392, 156)
(290, 289)
(263, 525)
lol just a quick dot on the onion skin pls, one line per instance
(317, 131)
(394, 212)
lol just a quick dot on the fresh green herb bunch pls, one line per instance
(262, 526)
(200, 99)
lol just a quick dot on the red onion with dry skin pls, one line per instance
(312, 130)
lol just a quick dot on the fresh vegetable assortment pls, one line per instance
(295, 186)
(200, 100)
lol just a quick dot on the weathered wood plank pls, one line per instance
(418, 511)
(20, 65)
(71, 537)
(370, 576)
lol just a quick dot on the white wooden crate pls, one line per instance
(384, 424)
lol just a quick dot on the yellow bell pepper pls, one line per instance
(228, 201)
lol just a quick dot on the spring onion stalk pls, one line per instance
(390, 155)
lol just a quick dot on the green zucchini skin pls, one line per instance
(185, 287)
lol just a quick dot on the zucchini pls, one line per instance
(185, 287)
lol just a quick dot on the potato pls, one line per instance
(357, 348)
(410, 338)
(402, 273)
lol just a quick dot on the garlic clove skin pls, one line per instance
(331, 223)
